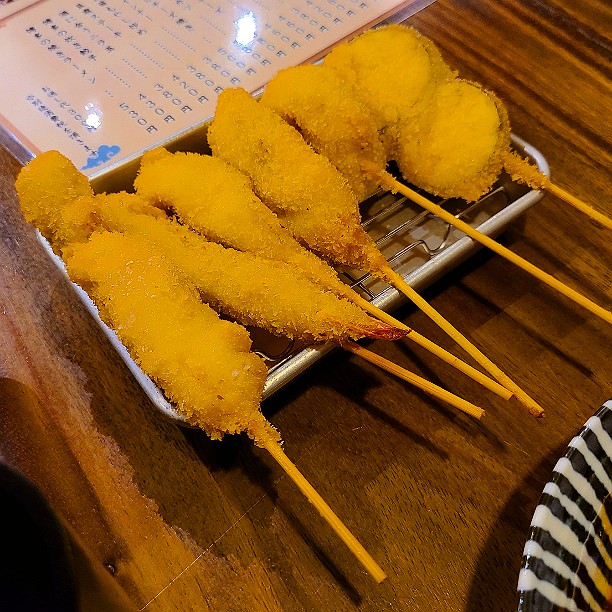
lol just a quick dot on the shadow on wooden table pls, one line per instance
(497, 570)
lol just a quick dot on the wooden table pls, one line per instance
(441, 501)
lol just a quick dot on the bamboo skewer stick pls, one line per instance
(578, 204)
(527, 401)
(326, 512)
(436, 350)
(414, 379)
(521, 170)
(551, 281)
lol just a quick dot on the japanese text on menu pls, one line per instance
(103, 79)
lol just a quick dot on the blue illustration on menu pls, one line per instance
(104, 153)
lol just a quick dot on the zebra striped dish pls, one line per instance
(567, 561)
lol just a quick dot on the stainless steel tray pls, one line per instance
(419, 246)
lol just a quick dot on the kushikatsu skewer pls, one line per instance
(203, 363)
(311, 315)
(463, 146)
(231, 281)
(217, 201)
(401, 77)
(139, 256)
(311, 198)
(459, 116)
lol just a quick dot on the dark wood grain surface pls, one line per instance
(442, 502)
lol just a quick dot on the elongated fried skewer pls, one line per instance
(322, 100)
(250, 289)
(159, 316)
(230, 281)
(311, 315)
(311, 198)
(157, 331)
(216, 200)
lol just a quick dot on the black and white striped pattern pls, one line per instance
(567, 561)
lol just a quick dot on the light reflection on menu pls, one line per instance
(246, 29)
(94, 116)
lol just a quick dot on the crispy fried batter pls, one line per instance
(450, 136)
(330, 118)
(251, 289)
(217, 201)
(202, 362)
(44, 186)
(308, 194)
(464, 142)
(394, 70)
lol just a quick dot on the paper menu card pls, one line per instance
(102, 80)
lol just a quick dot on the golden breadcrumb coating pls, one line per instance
(331, 119)
(520, 169)
(309, 195)
(217, 201)
(253, 290)
(44, 185)
(394, 70)
(211, 197)
(202, 363)
(78, 219)
(463, 143)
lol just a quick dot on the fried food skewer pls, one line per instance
(465, 144)
(216, 200)
(177, 339)
(136, 259)
(311, 315)
(203, 363)
(314, 315)
(311, 198)
(250, 289)
(457, 103)
(387, 69)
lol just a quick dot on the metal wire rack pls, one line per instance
(399, 230)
